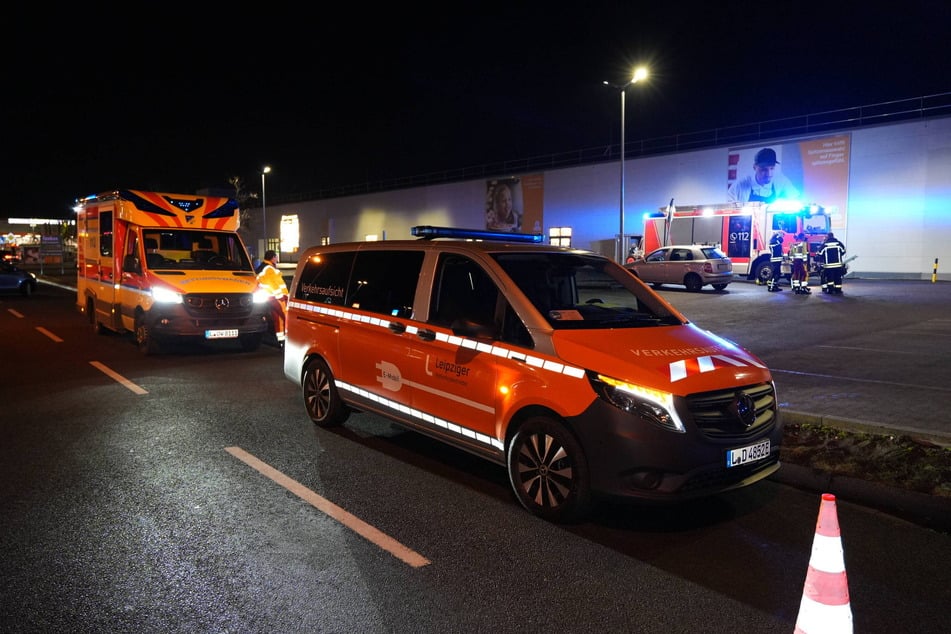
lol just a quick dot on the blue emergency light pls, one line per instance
(427, 232)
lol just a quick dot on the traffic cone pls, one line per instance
(825, 605)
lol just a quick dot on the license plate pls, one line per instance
(221, 334)
(751, 453)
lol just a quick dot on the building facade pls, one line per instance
(887, 187)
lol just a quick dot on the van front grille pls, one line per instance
(206, 305)
(734, 414)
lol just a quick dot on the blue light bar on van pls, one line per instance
(426, 232)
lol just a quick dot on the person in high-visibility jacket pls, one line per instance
(800, 265)
(775, 262)
(270, 278)
(830, 254)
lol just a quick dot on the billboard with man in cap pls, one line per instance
(766, 183)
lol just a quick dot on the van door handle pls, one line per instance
(397, 327)
(426, 335)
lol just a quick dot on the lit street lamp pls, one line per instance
(639, 74)
(265, 171)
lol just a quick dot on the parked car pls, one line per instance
(694, 266)
(13, 278)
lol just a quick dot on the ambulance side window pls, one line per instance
(384, 282)
(105, 233)
(324, 278)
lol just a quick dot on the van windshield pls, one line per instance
(189, 249)
(578, 291)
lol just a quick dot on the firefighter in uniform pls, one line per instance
(800, 265)
(270, 279)
(830, 255)
(775, 262)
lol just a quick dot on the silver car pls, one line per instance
(693, 266)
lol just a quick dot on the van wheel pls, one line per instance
(321, 398)
(549, 471)
(146, 343)
(693, 283)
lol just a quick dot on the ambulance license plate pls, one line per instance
(221, 334)
(751, 453)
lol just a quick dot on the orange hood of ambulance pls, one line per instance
(679, 359)
(207, 281)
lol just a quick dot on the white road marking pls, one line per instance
(370, 533)
(118, 377)
(49, 334)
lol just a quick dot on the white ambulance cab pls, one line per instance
(554, 362)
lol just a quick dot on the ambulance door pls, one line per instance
(452, 369)
(133, 288)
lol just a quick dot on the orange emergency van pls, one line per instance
(167, 267)
(554, 362)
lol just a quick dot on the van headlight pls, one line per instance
(655, 406)
(162, 295)
(261, 296)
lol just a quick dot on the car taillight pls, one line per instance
(707, 267)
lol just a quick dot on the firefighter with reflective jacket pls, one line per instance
(830, 255)
(800, 265)
(270, 279)
(775, 262)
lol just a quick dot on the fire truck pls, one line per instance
(741, 230)
(167, 267)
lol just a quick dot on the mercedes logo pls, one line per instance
(744, 409)
(222, 303)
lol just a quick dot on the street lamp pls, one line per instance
(265, 171)
(639, 73)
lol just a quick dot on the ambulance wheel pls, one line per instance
(549, 471)
(321, 398)
(146, 343)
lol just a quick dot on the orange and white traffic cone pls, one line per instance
(825, 605)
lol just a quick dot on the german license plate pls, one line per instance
(750, 453)
(221, 334)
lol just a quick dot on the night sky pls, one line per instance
(175, 102)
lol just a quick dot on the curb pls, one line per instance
(929, 511)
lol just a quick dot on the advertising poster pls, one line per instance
(811, 171)
(515, 204)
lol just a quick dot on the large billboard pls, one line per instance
(515, 204)
(811, 171)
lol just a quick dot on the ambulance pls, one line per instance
(553, 362)
(167, 267)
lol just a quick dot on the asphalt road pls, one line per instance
(127, 510)
(876, 356)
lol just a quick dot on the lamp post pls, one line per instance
(264, 172)
(639, 74)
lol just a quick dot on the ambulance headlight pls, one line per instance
(261, 296)
(162, 295)
(654, 406)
